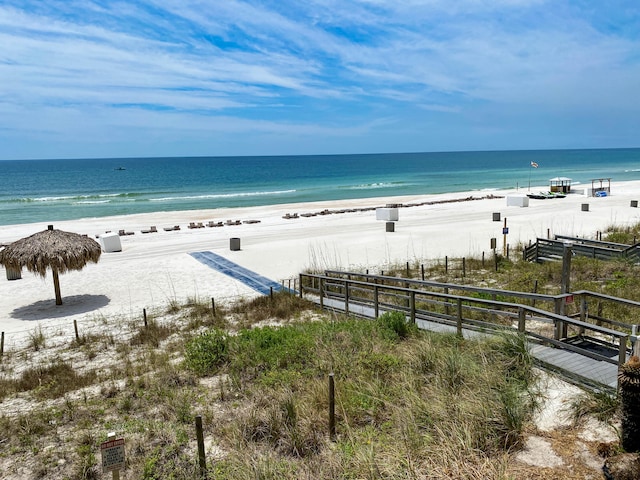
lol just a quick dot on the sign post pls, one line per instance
(112, 455)
(505, 231)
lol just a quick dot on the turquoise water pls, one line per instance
(49, 190)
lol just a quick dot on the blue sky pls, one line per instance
(83, 78)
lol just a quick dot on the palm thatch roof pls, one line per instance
(55, 249)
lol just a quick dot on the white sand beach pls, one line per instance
(155, 268)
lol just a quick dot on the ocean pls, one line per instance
(49, 190)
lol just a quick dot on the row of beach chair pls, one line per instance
(192, 225)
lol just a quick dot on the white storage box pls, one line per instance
(517, 201)
(110, 242)
(387, 214)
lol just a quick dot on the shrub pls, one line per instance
(205, 353)
(396, 323)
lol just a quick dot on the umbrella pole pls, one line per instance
(56, 286)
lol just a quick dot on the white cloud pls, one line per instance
(335, 63)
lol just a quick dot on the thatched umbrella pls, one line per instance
(60, 251)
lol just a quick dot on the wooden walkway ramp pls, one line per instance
(572, 365)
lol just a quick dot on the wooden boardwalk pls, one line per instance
(574, 366)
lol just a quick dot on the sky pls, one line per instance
(102, 78)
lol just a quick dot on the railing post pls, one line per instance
(521, 320)
(413, 307)
(446, 302)
(584, 312)
(346, 297)
(376, 306)
(622, 351)
(300, 284)
(321, 292)
(459, 318)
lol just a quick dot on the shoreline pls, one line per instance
(155, 269)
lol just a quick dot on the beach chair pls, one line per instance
(192, 225)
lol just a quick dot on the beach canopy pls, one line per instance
(51, 249)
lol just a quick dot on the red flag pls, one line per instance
(534, 164)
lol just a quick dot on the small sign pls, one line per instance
(112, 455)
(505, 230)
(568, 299)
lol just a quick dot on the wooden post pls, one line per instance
(1, 345)
(346, 297)
(464, 266)
(504, 238)
(376, 306)
(56, 286)
(299, 284)
(75, 327)
(202, 461)
(408, 272)
(413, 307)
(332, 409)
(446, 302)
(271, 293)
(495, 258)
(446, 264)
(535, 290)
(422, 270)
(144, 315)
(521, 320)
(622, 351)
(213, 306)
(482, 259)
(321, 293)
(459, 319)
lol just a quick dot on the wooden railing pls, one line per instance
(371, 298)
(546, 249)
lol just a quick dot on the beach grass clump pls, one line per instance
(279, 306)
(48, 381)
(152, 333)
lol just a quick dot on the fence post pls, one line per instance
(459, 319)
(321, 292)
(213, 306)
(521, 320)
(144, 315)
(422, 270)
(299, 284)
(464, 266)
(408, 272)
(1, 345)
(75, 328)
(271, 293)
(201, 457)
(332, 408)
(446, 264)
